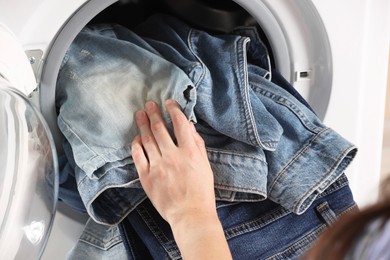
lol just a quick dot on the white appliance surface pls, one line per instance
(358, 32)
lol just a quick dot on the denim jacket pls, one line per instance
(262, 142)
(107, 75)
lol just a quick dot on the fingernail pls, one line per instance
(149, 105)
(139, 114)
(170, 101)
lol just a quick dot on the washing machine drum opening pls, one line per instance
(293, 33)
(100, 52)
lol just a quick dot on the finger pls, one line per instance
(147, 138)
(141, 163)
(139, 157)
(157, 125)
(198, 139)
(181, 125)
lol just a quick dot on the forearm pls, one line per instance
(178, 179)
(201, 237)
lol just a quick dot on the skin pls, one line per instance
(178, 180)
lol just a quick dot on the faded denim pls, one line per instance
(99, 242)
(107, 74)
(262, 141)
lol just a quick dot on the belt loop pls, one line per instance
(326, 213)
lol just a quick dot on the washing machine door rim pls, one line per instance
(29, 173)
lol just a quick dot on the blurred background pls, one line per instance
(385, 169)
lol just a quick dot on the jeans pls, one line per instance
(262, 141)
(256, 230)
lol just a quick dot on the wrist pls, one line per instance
(192, 216)
(201, 236)
(197, 221)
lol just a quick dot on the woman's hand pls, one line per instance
(176, 177)
(178, 180)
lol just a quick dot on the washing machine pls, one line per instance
(335, 53)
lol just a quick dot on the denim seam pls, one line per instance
(320, 183)
(127, 240)
(240, 189)
(259, 41)
(82, 179)
(313, 235)
(347, 210)
(240, 55)
(102, 157)
(190, 37)
(338, 184)
(297, 157)
(173, 252)
(214, 151)
(284, 101)
(300, 245)
(278, 213)
(114, 241)
(142, 211)
(85, 146)
(94, 245)
(124, 213)
(251, 126)
(105, 172)
(256, 223)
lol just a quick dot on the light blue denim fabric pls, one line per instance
(99, 242)
(108, 73)
(262, 142)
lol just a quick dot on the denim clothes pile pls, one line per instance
(278, 169)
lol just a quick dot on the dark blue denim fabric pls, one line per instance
(257, 230)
